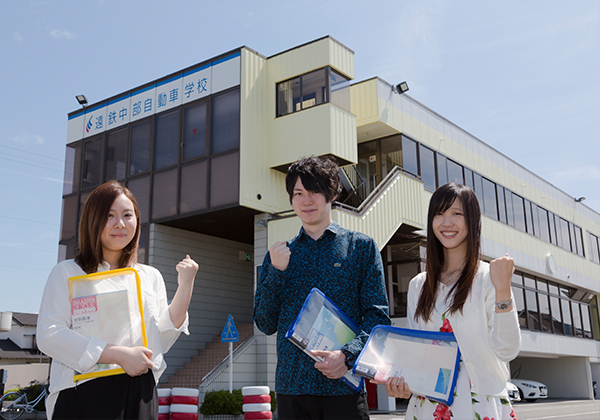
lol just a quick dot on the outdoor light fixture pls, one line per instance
(400, 88)
(580, 199)
(81, 99)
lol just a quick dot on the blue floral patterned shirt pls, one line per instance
(347, 267)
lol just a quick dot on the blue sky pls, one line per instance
(523, 76)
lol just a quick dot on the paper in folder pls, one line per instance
(321, 325)
(108, 305)
(428, 360)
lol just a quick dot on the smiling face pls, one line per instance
(120, 228)
(450, 227)
(311, 207)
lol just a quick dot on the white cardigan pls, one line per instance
(71, 351)
(487, 340)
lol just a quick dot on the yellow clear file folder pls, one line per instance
(108, 305)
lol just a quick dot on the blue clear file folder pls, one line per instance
(428, 360)
(321, 325)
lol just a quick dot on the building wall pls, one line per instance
(22, 336)
(21, 374)
(223, 285)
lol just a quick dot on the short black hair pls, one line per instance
(318, 175)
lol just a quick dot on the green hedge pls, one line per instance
(223, 402)
(32, 393)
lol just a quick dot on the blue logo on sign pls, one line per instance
(89, 125)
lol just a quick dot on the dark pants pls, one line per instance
(345, 407)
(116, 397)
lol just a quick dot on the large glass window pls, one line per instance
(410, 162)
(566, 313)
(288, 95)
(164, 195)
(92, 163)
(594, 248)
(139, 156)
(563, 232)
(391, 154)
(579, 240)
(314, 88)
(556, 315)
(340, 90)
(193, 187)
(72, 168)
(224, 180)
(68, 221)
(489, 199)
(442, 171)
(519, 212)
(501, 204)
(166, 140)
(510, 214)
(528, 217)
(194, 131)
(427, 160)
(545, 313)
(478, 184)
(455, 172)
(140, 188)
(552, 223)
(225, 122)
(577, 326)
(469, 179)
(544, 227)
(520, 304)
(116, 155)
(532, 310)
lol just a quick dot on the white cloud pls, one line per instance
(583, 173)
(28, 139)
(62, 34)
(17, 37)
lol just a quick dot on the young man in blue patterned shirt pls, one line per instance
(343, 264)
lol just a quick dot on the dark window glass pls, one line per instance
(142, 254)
(391, 154)
(556, 315)
(314, 88)
(166, 140)
(410, 162)
(566, 313)
(510, 215)
(427, 167)
(544, 227)
(442, 173)
(489, 199)
(532, 310)
(552, 220)
(579, 240)
(224, 180)
(68, 221)
(469, 179)
(367, 165)
(562, 229)
(72, 168)
(517, 279)
(225, 122)
(139, 157)
(529, 282)
(164, 194)
(536, 220)
(340, 90)
(520, 304)
(92, 161)
(573, 238)
(140, 188)
(545, 313)
(594, 248)
(585, 318)
(288, 96)
(478, 183)
(116, 155)
(455, 172)
(194, 181)
(577, 327)
(528, 217)
(519, 212)
(194, 131)
(501, 203)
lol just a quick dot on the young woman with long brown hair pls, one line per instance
(461, 294)
(108, 239)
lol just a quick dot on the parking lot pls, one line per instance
(551, 409)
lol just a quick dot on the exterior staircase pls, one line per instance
(193, 372)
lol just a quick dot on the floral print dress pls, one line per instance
(467, 405)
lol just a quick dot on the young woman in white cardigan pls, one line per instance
(461, 294)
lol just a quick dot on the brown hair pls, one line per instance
(318, 175)
(441, 200)
(93, 221)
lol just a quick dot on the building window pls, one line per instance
(193, 193)
(69, 217)
(544, 226)
(164, 194)
(528, 216)
(140, 188)
(410, 161)
(224, 180)
(519, 212)
(469, 178)
(442, 170)
(455, 172)
(391, 154)
(116, 155)
(166, 140)
(594, 248)
(310, 89)
(194, 131)
(501, 204)
(225, 122)
(72, 168)
(427, 160)
(92, 163)
(139, 156)
(489, 199)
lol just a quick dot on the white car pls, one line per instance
(530, 390)
(513, 392)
